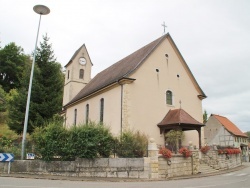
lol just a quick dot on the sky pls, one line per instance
(213, 37)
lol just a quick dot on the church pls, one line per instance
(151, 90)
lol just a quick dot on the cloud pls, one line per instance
(213, 37)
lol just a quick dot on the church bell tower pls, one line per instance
(77, 75)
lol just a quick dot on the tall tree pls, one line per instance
(12, 63)
(50, 86)
(17, 99)
(46, 94)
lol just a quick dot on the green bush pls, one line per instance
(83, 141)
(132, 144)
(90, 141)
(50, 140)
(10, 142)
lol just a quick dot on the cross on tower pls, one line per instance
(164, 26)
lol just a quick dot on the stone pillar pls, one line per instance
(153, 156)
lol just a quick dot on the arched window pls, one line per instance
(81, 73)
(101, 109)
(87, 113)
(169, 97)
(75, 116)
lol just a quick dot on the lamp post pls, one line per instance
(42, 10)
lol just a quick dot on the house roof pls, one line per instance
(178, 116)
(123, 68)
(230, 126)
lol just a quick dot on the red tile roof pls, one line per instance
(230, 126)
(178, 116)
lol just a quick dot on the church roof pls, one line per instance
(230, 126)
(123, 68)
(178, 117)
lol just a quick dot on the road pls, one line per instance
(239, 179)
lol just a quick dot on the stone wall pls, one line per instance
(178, 165)
(222, 161)
(103, 167)
(151, 167)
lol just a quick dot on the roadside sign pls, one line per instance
(30, 156)
(6, 157)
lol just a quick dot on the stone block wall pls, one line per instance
(102, 167)
(179, 166)
(222, 161)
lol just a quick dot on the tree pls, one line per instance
(205, 117)
(49, 92)
(248, 134)
(3, 104)
(46, 94)
(12, 63)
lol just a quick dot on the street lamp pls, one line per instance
(42, 10)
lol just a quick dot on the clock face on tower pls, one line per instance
(82, 60)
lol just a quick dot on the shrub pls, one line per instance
(10, 141)
(50, 141)
(165, 153)
(90, 141)
(185, 152)
(84, 141)
(132, 144)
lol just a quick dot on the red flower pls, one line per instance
(185, 152)
(229, 151)
(205, 149)
(165, 152)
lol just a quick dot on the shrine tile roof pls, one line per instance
(178, 116)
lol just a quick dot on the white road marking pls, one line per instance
(229, 174)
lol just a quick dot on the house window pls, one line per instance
(81, 73)
(68, 74)
(75, 116)
(169, 97)
(87, 113)
(101, 110)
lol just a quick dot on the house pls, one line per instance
(136, 92)
(221, 131)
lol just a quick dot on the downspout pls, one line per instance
(121, 105)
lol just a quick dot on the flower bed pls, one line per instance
(205, 149)
(165, 153)
(185, 152)
(229, 151)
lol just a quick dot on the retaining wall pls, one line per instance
(103, 167)
(222, 161)
(179, 166)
